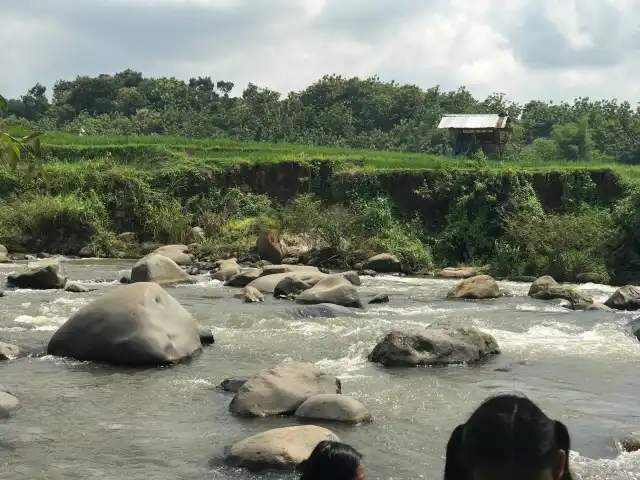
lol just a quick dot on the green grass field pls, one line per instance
(159, 151)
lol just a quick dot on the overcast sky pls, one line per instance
(528, 49)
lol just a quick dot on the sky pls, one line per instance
(528, 49)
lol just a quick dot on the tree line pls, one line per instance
(334, 111)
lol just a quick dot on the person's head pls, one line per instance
(333, 461)
(508, 438)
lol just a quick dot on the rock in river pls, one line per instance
(135, 325)
(252, 295)
(178, 253)
(158, 269)
(244, 278)
(333, 289)
(268, 246)
(278, 449)
(44, 274)
(333, 407)
(206, 335)
(8, 403)
(478, 287)
(8, 351)
(433, 345)
(383, 263)
(625, 298)
(282, 389)
(323, 310)
(546, 288)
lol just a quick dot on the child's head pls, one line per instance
(333, 461)
(508, 438)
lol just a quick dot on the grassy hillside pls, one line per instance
(524, 217)
(162, 151)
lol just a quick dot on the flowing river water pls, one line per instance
(83, 421)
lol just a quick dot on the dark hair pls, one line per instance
(331, 461)
(506, 428)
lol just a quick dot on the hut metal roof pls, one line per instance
(473, 121)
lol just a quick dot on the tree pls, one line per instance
(12, 146)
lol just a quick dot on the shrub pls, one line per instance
(62, 224)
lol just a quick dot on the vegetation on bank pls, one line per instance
(357, 165)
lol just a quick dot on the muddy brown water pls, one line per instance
(83, 421)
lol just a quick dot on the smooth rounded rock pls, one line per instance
(433, 345)
(9, 352)
(278, 449)
(282, 389)
(478, 288)
(333, 407)
(252, 295)
(333, 289)
(158, 269)
(178, 253)
(134, 325)
(243, 278)
(383, 263)
(46, 274)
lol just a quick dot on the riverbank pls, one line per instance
(533, 218)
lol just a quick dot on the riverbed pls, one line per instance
(84, 421)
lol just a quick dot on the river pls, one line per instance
(83, 421)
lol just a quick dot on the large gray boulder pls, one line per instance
(541, 284)
(383, 263)
(279, 269)
(4, 258)
(45, 274)
(243, 278)
(434, 345)
(352, 276)
(332, 289)
(282, 389)
(634, 327)
(135, 325)
(478, 287)
(333, 407)
(3, 250)
(625, 298)
(158, 269)
(178, 253)
(8, 351)
(278, 449)
(268, 283)
(8, 403)
(546, 288)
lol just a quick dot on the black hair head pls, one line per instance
(506, 429)
(331, 461)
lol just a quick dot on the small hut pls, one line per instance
(471, 133)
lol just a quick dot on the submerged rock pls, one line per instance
(383, 263)
(277, 449)
(9, 403)
(77, 288)
(598, 307)
(333, 407)
(206, 335)
(379, 298)
(134, 325)
(478, 287)
(630, 443)
(268, 283)
(41, 275)
(282, 389)
(332, 289)
(231, 384)
(324, 310)
(625, 298)
(9, 352)
(434, 345)
(158, 269)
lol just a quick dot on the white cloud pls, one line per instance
(542, 49)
